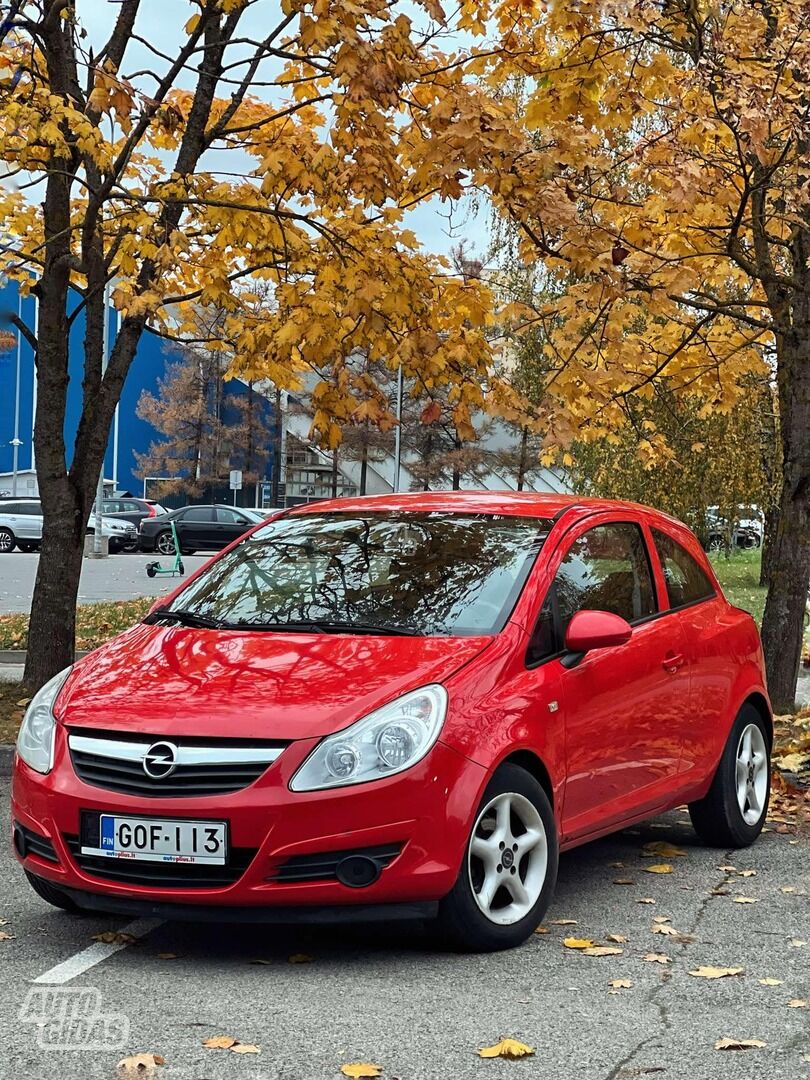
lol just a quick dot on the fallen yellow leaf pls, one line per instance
(299, 958)
(709, 972)
(744, 900)
(6, 937)
(787, 888)
(747, 873)
(770, 982)
(506, 1048)
(563, 922)
(167, 956)
(602, 950)
(738, 1044)
(360, 1070)
(659, 868)
(245, 1048)
(662, 928)
(797, 943)
(645, 900)
(219, 1042)
(620, 984)
(115, 937)
(661, 918)
(657, 958)
(620, 938)
(662, 847)
(139, 1063)
(578, 943)
(798, 1003)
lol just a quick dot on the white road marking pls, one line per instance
(94, 954)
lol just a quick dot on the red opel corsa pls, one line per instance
(397, 705)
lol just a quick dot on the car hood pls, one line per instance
(174, 681)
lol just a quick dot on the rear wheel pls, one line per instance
(510, 867)
(51, 895)
(7, 541)
(733, 812)
(164, 543)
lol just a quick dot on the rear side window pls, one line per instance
(230, 517)
(686, 581)
(198, 513)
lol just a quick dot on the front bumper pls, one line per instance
(423, 815)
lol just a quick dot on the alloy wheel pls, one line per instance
(752, 774)
(508, 858)
(6, 541)
(165, 544)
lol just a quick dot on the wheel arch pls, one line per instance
(760, 703)
(528, 760)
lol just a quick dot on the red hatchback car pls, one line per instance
(397, 705)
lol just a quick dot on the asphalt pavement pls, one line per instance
(392, 997)
(118, 577)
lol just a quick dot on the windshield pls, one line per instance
(433, 573)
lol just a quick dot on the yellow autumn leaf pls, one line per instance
(578, 943)
(662, 847)
(115, 937)
(744, 900)
(361, 1070)
(659, 868)
(140, 1064)
(657, 958)
(219, 1042)
(602, 950)
(620, 984)
(738, 1044)
(245, 1048)
(709, 972)
(798, 1003)
(506, 1048)
(771, 982)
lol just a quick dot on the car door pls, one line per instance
(196, 528)
(230, 525)
(624, 706)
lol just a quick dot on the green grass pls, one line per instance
(739, 576)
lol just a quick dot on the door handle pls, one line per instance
(673, 662)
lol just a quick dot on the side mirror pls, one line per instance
(596, 630)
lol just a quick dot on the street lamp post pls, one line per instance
(16, 442)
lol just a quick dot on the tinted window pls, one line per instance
(231, 517)
(544, 641)
(686, 581)
(197, 513)
(431, 573)
(606, 569)
(130, 506)
(28, 509)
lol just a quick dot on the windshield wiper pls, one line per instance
(326, 626)
(187, 618)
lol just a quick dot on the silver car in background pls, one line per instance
(21, 527)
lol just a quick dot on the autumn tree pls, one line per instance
(117, 146)
(658, 165)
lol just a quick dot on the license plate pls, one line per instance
(158, 840)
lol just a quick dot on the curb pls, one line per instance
(6, 757)
(17, 656)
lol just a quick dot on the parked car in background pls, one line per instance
(397, 705)
(21, 526)
(199, 528)
(745, 532)
(130, 509)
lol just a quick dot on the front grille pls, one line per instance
(33, 843)
(162, 875)
(323, 867)
(115, 761)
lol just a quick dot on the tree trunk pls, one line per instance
(783, 621)
(275, 491)
(524, 446)
(334, 474)
(768, 537)
(364, 466)
(456, 466)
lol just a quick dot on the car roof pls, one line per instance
(511, 503)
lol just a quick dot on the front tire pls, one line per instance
(733, 812)
(509, 869)
(51, 895)
(164, 543)
(7, 541)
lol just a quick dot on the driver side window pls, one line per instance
(605, 569)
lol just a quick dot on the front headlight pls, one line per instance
(383, 743)
(35, 741)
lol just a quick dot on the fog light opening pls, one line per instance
(357, 871)
(19, 842)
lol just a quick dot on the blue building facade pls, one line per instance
(129, 435)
